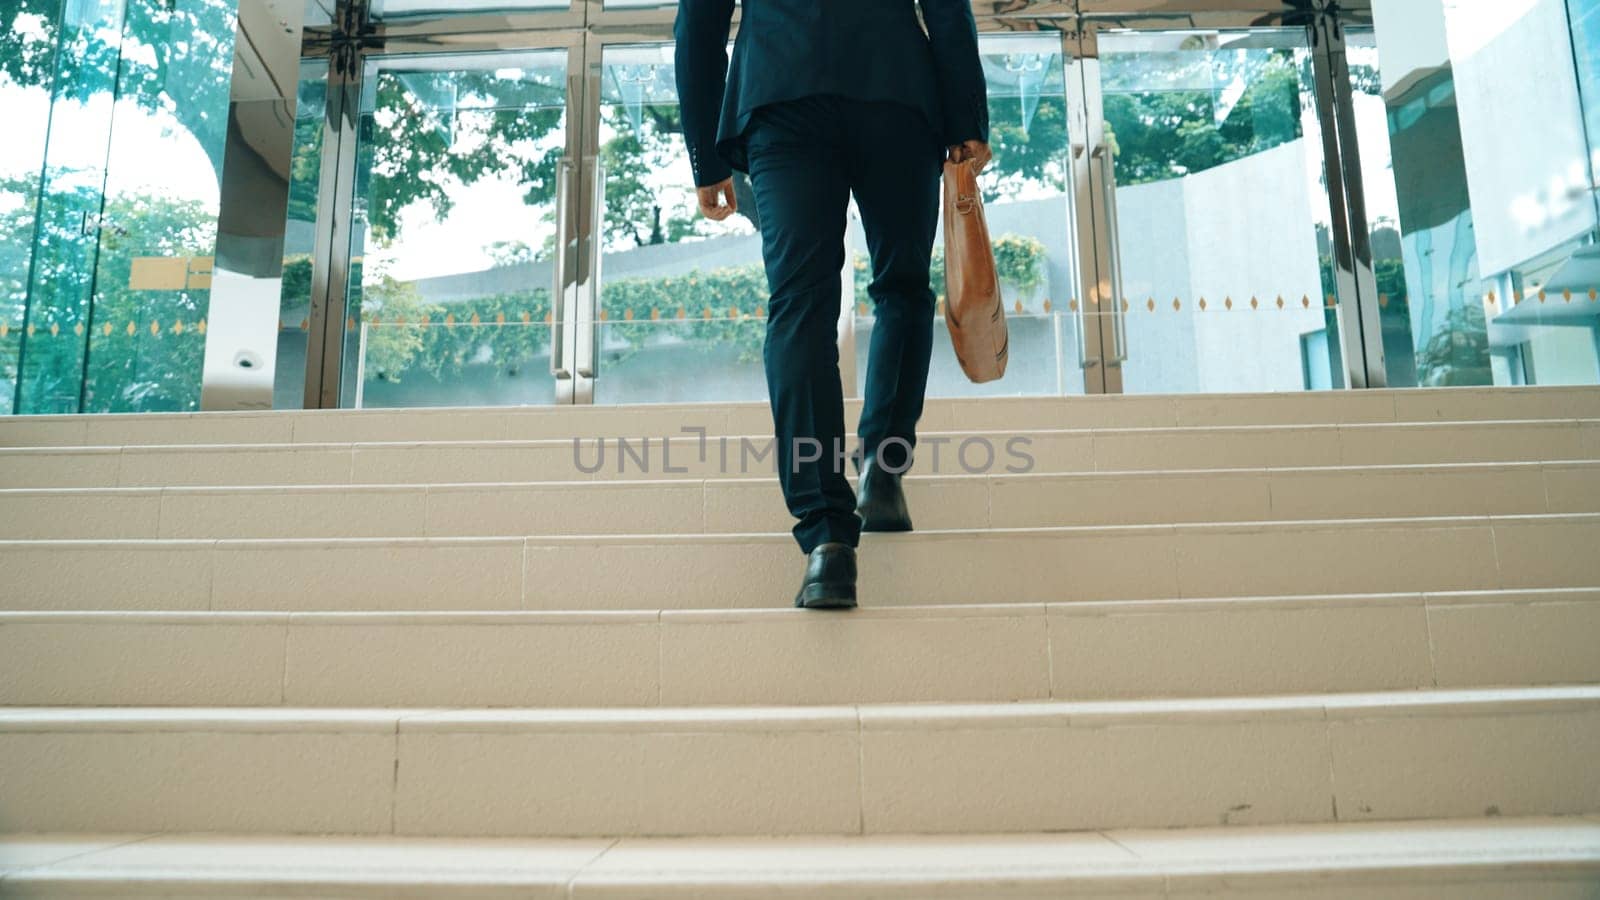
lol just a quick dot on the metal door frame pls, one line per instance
(586, 28)
(1060, 18)
(1323, 22)
(349, 47)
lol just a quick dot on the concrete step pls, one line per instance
(1025, 565)
(805, 770)
(996, 653)
(744, 505)
(691, 458)
(529, 423)
(1477, 859)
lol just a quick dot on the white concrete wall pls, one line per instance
(1411, 38)
(1241, 230)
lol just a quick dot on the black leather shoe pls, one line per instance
(830, 581)
(881, 500)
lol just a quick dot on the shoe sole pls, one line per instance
(827, 596)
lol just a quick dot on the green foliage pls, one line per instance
(155, 366)
(1159, 134)
(28, 53)
(391, 350)
(1019, 258)
(635, 215)
(148, 370)
(452, 341)
(703, 308)
(305, 166)
(1458, 353)
(416, 146)
(430, 133)
(1035, 156)
(405, 333)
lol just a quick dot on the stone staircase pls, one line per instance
(1314, 646)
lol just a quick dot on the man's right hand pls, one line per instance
(972, 150)
(717, 201)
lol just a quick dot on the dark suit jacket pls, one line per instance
(787, 49)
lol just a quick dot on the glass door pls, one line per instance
(54, 183)
(464, 166)
(1213, 245)
(28, 40)
(1177, 200)
(1031, 204)
(681, 308)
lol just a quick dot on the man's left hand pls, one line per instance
(717, 201)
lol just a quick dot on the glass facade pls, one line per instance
(305, 185)
(455, 229)
(488, 204)
(1222, 223)
(30, 33)
(1478, 140)
(129, 106)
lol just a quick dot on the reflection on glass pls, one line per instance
(1585, 17)
(28, 34)
(1028, 207)
(454, 231)
(50, 378)
(128, 207)
(163, 190)
(299, 239)
(1222, 215)
(1480, 181)
(683, 299)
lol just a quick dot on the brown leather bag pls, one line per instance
(973, 308)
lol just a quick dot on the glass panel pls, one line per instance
(52, 348)
(1028, 206)
(683, 299)
(454, 230)
(1480, 179)
(128, 208)
(299, 239)
(158, 236)
(1222, 216)
(29, 30)
(1585, 16)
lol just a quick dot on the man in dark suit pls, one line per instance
(824, 99)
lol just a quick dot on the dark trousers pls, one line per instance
(806, 158)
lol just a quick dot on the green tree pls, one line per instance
(634, 158)
(144, 348)
(431, 131)
(1458, 353)
(390, 350)
(1163, 128)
